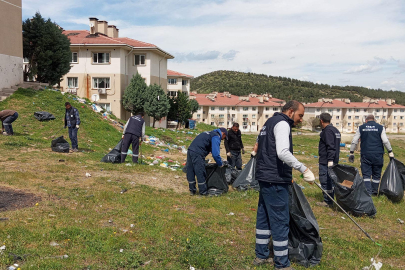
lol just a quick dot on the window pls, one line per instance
(212, 115)
(233, 108)
(26, 60)
(377, 117)
(213, 108)
(245, 108)
(385, 110)
(244, 124)
(267, 108)
(203, 112)
(349, 124)
(356, 117)
(395, 124)
(101, 83)
(365, 110)
(337, 117)
(395, 117)
(377, 110)
(402, 110)
(198, 116)
(172, 81)
(254, 116)
(233, 115)
(253, 108)
(73, 82)
(330, 110)
(139, 60)
(253, 123)
(337, 124)
(401, 117)
(220, 123)
(221, 116)
(105, 106)
(357, 110)
(384, 117)
(101, 58)
(245, 116)
(401, 124)
(350, 110)
(222, 108)
(395, 110)
(172, 93)
(318, 110)
(266, 116)
(212, 124)
(73, 58)
(184, 82)
(275, 109)
(349, 117)
(338, 110)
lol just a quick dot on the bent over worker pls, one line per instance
(7, 117)
(202, 145)
(329, 150)
(134, 130)
(373, 139)
(274, 163)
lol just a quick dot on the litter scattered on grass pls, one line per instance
(374, 265)
(2, 248)
(230, 214)
(13, 267)
(88, 174)
(400, 221)
(53, 244)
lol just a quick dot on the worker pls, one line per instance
(7, 117)
(234, 146)
(72, 121)
(329, 150)
(134, 131)
(373, 139)
(202, 145)
(274, 163)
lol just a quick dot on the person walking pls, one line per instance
(234, 146)
(202, 145)
(7, 117)
(373, 139)
(133, 131)
(72, 121)
(329, 150)
(274, 163)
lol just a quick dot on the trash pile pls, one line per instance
(164, 162)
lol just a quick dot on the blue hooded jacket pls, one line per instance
(207, 142)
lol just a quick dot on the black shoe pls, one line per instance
(192, 193)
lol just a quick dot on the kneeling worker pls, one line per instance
(133, 130)
(202, 145)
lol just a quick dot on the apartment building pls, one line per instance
(11, 45)
(223, 109)
(347, 115)
(104, 63)
(177, 81)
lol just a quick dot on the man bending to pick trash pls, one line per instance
(202, 145)
(133, 130)
(274, 165)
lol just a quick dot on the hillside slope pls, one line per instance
(240, 83)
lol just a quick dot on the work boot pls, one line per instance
(257, 261)
(75, 150)
(192, 193)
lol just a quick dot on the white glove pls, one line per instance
(229, 154)
(77, 126)
(253, 153)
(309, 177)
(391, 154)
(330, 163)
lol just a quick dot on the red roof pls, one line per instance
(341, 104)
(83, 37)
(178, 74)
(222, 100)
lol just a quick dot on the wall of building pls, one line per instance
(11, 52)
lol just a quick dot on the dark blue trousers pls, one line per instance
(73, 137)
(196, 167)
(272, 220)
(235, 160)
(326, 183)
(371, 166)
(126, 142)
(7, 123)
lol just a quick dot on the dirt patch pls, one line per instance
(11, 199)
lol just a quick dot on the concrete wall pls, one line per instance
(11, 52)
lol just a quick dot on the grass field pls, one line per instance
(155, 224)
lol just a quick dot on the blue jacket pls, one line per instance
(329, 145)
(207, 142)
(72, 117)
(370, 135)
(269, 168)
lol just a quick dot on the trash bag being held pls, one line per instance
(60, 145)
(391, 182)
(43, 116)
(350, 190)
(115, 155)
(304, 242)
(246, 178)
(231, 174)
(215, 179)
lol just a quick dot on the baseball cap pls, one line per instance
(223, 130)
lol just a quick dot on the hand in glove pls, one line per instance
(253, 153)
(225, 163)
(351, 158)
(229, 154)
(243, 151)
(309, 176)
(391, 154)
(330, 163)
(77, 126)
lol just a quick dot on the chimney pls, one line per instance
(93, 25)
(112, 31)
(347, 100)
(260, 99)
(389, 101)
(102, 27)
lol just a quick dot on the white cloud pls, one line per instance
(363, 69)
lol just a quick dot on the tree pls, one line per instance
(344, 123)
(183, 107)
(193, 106)
(156, 103)
(133, 99)
(314, 122)
(216, 120)
(47, 50)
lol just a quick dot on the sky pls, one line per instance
(345, 42)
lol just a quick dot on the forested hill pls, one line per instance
(240, 83)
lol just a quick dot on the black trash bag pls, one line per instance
(401, 170)
(391, 182)
(60, 145)
(216, 182)
(231, 174)
(246, 178)
(115, 155)
(354, 199)
(43, 116)
(304, 242)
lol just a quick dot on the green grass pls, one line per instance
(90, 219)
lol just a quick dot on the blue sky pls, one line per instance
(342, 42)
